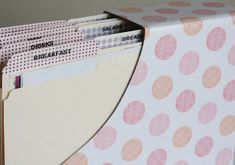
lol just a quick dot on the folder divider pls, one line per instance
(30, 26)
(33, 30)
(35, 35)
(7, 51)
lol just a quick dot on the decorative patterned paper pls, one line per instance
(25, 61)
(46, 27)
(179, 108)
(30, 26)
(8, 51)
(35, 35)
(79, 50)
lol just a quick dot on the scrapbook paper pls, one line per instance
(11, 29)
(94, 18)
(105, 28)
(7, 51)
(76, 99)
(34, 30)
(177, 109)
(179, 106)
(39, 59)
(35, 35)
(73, 68)
(95, 22)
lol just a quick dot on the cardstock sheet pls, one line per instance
(179, 106)
(52, 123)
(11, 29)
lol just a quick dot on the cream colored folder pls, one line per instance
(46, 123)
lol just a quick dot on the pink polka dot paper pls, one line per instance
(178, 108)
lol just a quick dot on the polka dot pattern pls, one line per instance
(105, 138)
(185, 100)
(140, 73)
(229, 91)
(165, 47)
(159, 124)
(214, 4)
(78, 159)
(131, 150)
(162, 87)
(154, 19)
(207, 113)
(181, 162)
(227, 125)
(107, 164)
(216, 39)
(231, 56)
(191, 25)
(204, 146)
(157, 157)
(179, 4)
(134, 112)
(211, 77)
(204, 12)
(131, 10)
(181, 96)
(167, 11)
(189, 63)
(182, 136)
(224, 157)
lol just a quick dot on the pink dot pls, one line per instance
(189, 63)
(134, 112)
(181, 162)
(131, 150)
(204, 12)
(191, 25)
(179, 4)
(207, 113)
(159, 125)
(185, 101)
(229, 91)
(214, 4)
(182, 136)
(154, 19)
(165, 47)
(140, 73)
(227, 125)
(224, 157)
(231, 56)
(157, 157)
(78, 159)
(204, 146)
(107, 164)
(216, 39)
(131, 10)
(167, 11)
(105, 138)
